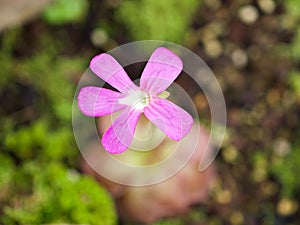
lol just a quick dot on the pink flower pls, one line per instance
(161, 70)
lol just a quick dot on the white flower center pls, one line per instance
(137, 99)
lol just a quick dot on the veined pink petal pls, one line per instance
(171, 119)
(161, 70)
(108, 69)
(119, 136)
(96, 101)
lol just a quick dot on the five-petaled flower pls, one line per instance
(161, 70)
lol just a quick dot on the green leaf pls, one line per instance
(158, 20)
(65, 11)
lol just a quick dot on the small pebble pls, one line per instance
(239, 58)
(213, 48)
(213, 4)
(267, 6)
(99, 37)
(236, 218)
(282, 147)
(224, 196)
(287, 207)
(230, 154)
(248, 14)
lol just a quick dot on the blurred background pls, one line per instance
(253, 48)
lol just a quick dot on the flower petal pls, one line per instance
(171, 119)
(161, 70)
(96, 101)
(108, 69)
(119, 136)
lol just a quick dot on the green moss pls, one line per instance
(7, 169)
(295, 46)
(162, 20)
(195, 215)
(39, 142)
(58, 195)
(292, 17)
(65, 11)
(292, 8)
(174, 221)
(47, 70)
(51, 75)
(285, 169)
(38, 182)
(294, 81)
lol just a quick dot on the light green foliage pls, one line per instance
(292, 15)
(294, 80)
(281, 166)
(39, 142)
(293, 8)
(7, 169)
(295, 47)
(50, 75)
(38, 180)
(57, 195)
(161, 20)
(40, 189)
(47, 71)
(65, 11)
(170, 222)
(285, 169)
(193, 216)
